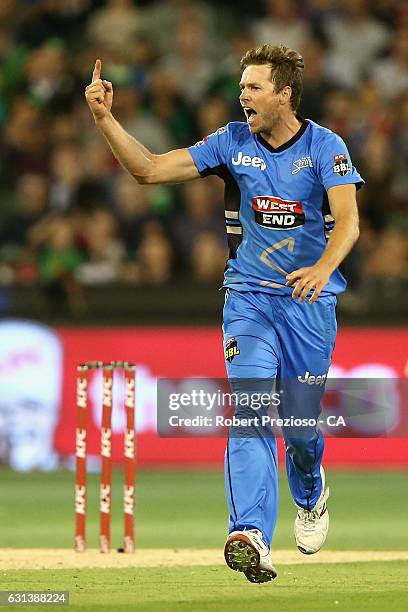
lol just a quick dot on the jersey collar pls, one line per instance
(290, 142)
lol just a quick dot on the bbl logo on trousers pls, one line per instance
(231, 349)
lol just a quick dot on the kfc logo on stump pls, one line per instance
(341, 165)
(278, 214)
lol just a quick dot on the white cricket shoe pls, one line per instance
(311, 526)
(245, 551)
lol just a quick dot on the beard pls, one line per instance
(268, 123)
(265, 123)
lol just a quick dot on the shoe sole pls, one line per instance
(260, 576)
(241, 556)
(307, 552)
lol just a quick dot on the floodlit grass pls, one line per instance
(187, 510)
(355, 587)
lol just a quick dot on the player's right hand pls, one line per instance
(99, 94)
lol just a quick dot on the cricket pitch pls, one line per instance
(59, 558)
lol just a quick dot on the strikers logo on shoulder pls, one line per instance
(341, 165)
(231, 349)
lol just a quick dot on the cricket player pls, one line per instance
(291, 218)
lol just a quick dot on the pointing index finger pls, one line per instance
(97, 70)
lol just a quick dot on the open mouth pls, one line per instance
(250, 114)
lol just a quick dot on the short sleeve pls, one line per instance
(334, 165)
(210, 154)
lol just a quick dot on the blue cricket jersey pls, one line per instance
(277, 211)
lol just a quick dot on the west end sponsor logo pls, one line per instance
(246, 160)
(274, 213)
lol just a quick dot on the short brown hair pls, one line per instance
(286, 68)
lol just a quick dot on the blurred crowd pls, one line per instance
(69, 216)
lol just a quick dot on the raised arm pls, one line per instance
(146, 167)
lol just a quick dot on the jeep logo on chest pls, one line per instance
(246, 160)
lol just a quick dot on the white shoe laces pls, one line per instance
(309, 518)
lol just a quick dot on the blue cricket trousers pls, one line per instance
(269, 337)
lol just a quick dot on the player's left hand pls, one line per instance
(305, 280)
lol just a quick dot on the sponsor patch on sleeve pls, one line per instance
(201, 142)
(341, 165)
(220, 130)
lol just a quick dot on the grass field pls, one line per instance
(177, 510)
(353, 587)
